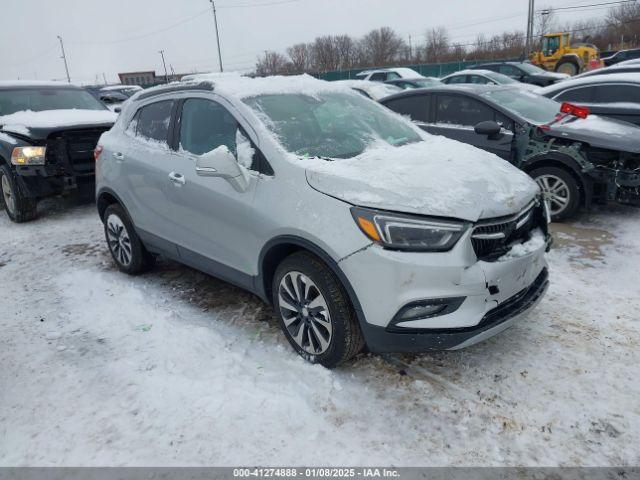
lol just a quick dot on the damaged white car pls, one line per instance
(356, 226)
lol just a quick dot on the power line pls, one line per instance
(583, 6)
(148, 34)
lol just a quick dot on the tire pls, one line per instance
(556, 184)
(125, 246)
(325, 311)
(569, 67)
(16, 203)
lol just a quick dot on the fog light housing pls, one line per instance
(417, 312)
(422, 310)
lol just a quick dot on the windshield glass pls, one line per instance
(39, 99)
(330, 124)
(527, 67)
(534, 108)
(500, 78)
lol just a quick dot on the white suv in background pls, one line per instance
(355, 225)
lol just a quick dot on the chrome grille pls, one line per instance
(492, 238)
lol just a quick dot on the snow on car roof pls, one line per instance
(121, 87)
(375, 90)
(631, 77)
(401, 70)
(34, 83)
(479, 71)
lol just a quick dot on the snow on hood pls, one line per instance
(22, 122)
(437, 176)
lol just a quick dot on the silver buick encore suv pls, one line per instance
(359, 228)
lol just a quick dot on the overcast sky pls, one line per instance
(111, 36)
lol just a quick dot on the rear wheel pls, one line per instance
(570, 67)
(560, 190)
(19, 207)
(315, 313)
(124, 244)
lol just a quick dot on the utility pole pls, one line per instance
(215, 22)
(410, 49)
(166, 76)
(64, 57)
(530, 21)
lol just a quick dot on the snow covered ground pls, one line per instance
(176, 368)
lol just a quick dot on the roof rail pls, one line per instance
(175, 87)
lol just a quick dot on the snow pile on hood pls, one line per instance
(21, 122)
(436, 176)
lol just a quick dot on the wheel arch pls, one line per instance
(278, 248)
(107, 197)
(560, 160)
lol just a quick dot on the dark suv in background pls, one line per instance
(523, 72)
(48, 132)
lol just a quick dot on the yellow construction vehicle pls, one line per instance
(558, 55)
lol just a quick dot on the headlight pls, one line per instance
(28, 156)
(406, 232)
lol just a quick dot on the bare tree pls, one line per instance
(437, 45)
(272, 63)
(325, 54)
(382, 46)
(301, 56)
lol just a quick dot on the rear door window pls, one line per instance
(478, 80)
(459, 110)
(458, 79)
(616, 94)
(415, 106)
(378, 77)
(152, 121)
(584, 94)
(509, 70)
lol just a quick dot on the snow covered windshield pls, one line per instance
(330, 124)
(39, 99)
(533, 108)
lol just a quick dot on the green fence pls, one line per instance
(425, 69)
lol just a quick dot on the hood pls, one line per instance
(437, 176)
(38, 125)
(554, 75)
(599, 132)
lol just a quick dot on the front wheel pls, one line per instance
(19, 207)
(315, 313)
(569, 67)
(560, 189)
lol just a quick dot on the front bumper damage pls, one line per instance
(480, 297)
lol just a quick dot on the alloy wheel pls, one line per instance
(119, 241)
(555, 191)
(7, 194)
(305, 313)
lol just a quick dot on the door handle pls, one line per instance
(118, 156)
(177, 178)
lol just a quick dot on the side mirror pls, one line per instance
(220, 162)
(489, 128)
(117, 110)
